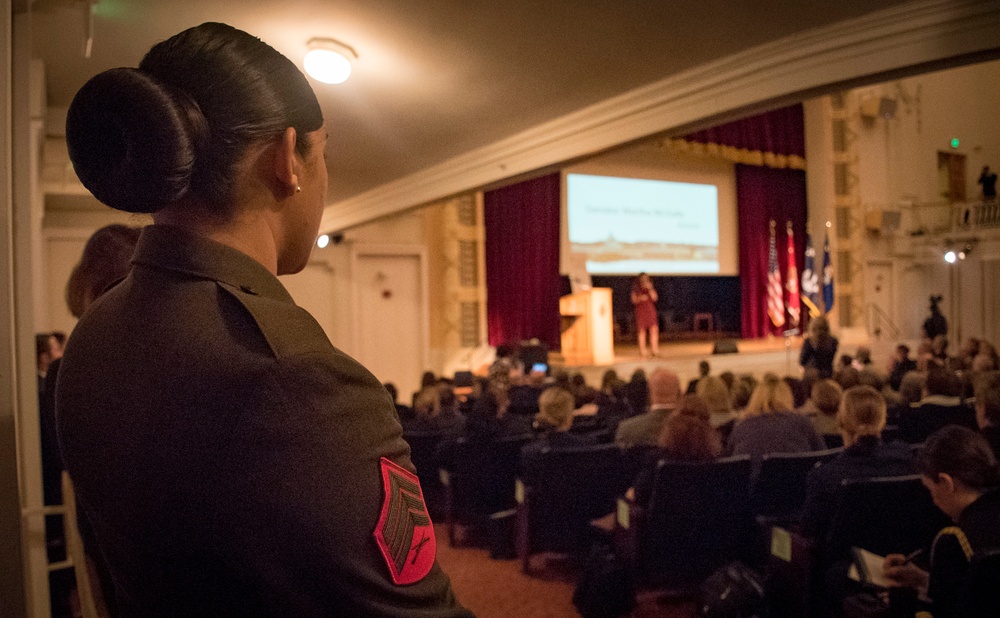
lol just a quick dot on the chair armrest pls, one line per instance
(628, 523)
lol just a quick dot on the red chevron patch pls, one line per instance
(405, 534)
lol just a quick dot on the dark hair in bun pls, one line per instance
(141, 139)
(963, 454)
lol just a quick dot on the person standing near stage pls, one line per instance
(644, 299)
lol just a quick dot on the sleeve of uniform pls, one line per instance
(300, 489)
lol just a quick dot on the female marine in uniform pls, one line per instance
(231, 461)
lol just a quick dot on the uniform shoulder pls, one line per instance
(288, 329)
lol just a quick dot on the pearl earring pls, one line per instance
(298, 189)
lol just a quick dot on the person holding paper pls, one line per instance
(646, 320)
(961, 473)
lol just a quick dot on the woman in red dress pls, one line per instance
(644, 299)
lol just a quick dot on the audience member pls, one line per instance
(988, 408)
(489, 418)
(637, 392)
(664, 392)
(686, 436)
(819, 348)
(404, 412)
(769, 424)
(900, 365)
(862, 358)
(583, 393)
(860, 419)
(968, 351)
(741, 392)
(435, 410)
(703, 370)
(822, 407)
(847, 377)
(713, 391)
(960, 471)
(939, 350)
(729, 378)
(524, 392)
(612, 406)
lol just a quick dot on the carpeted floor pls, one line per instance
(498, 589)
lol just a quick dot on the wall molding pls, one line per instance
(915, 34)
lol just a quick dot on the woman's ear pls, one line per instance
(285, 162)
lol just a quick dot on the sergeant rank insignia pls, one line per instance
(404, 532)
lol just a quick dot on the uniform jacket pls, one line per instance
(229, 458)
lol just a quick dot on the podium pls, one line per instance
(587, 333)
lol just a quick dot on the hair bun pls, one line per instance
(133, 141)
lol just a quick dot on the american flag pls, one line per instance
(827, 275)
(775, 296)
(810, 280)
(792, 284)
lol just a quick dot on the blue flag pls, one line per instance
(827, 275)
(810, 281)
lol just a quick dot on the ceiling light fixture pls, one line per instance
(329, 61)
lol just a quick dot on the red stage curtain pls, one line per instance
(522, 262)
(763, 194)
(781, 131)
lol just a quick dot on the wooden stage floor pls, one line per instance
(755, 356)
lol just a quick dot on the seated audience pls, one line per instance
(489, 418)
(524, 393)
(862, 358)
(821, 409)
(703, 370)
(860, 419)
(552, 423)
(960, 471)
(988, 408)
(939, 350)
(436, 409)
(900, 365)
(911, 390)
(847, 377)
(612, 406)
(686, 436)
(583, 393)
(712, 390)
(729, 378)
(636, 392)
(941, 405)
(664, 393)
(769, 424)
(991, 360)
(968, 351)
(404, 412)
(741, 391)
(428, 379)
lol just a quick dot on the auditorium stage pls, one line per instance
(755, 356)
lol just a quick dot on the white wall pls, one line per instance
(898, 162)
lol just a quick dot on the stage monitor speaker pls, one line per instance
(725, 346)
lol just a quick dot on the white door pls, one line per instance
(389, 315)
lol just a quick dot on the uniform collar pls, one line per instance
(176, 249)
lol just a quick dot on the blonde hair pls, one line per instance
(715, 393)
(772, 395)
(555, 407)
(862, 412)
